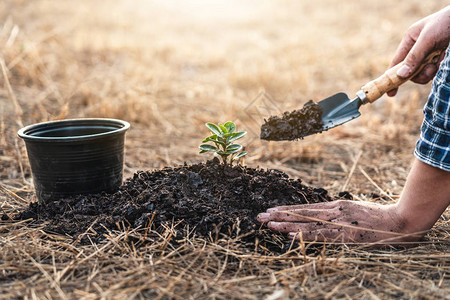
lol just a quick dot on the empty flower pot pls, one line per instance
(79, 156)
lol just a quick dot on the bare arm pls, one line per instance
(425, 197)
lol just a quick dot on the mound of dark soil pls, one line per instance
(210, 198)
(293, 125)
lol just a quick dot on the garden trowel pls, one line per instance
(339, 109)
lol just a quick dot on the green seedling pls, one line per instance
(223, 136)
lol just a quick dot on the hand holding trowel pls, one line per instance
(337, 109)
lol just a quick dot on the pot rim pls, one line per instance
(25, 132)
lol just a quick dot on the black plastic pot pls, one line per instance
(79, 156)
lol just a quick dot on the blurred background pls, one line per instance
(168, 66)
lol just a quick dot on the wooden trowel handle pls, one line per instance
(389, 80)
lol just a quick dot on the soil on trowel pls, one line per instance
(294, 125)
(209, 198)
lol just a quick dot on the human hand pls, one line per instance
(340, 221)
(423, 37)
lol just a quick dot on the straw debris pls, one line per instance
(126, 60)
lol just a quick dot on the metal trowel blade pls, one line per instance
(339, 109)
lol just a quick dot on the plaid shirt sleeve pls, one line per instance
(433, 146)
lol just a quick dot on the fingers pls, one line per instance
(421, 48)
(411, 62)
(305, 212)
(310, 227)
(299, 215)
(322, 205)
(392, 93)
(412, 53)
(422, 37)
(403, 49)
(413, 48)
(409, 40)
(426, 74)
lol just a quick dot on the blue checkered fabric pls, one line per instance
(433, 146)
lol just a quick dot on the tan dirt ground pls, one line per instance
(168, 67)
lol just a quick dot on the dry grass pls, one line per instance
(167, 68)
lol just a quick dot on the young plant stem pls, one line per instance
(222, 137)
(224, 157)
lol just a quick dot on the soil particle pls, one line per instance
(293, 125)
(345, 195)
(208, 197)
(376, 196)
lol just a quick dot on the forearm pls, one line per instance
(425, 197)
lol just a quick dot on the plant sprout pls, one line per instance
(222, 136)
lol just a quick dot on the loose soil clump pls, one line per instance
(294, 125)
(210, 199)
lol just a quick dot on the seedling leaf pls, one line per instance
(208, 147)
(224, 129)
(230, 126)
(237, 135)
(210, 138)
(243, 153)
(234, 147)
(217, 141)
(214, 128)
(222, 137)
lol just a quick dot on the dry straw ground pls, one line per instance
(167, 67)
